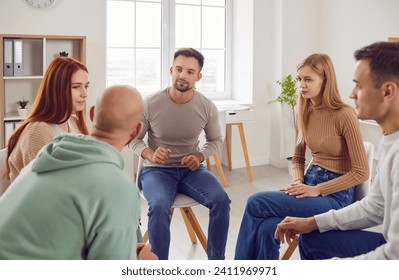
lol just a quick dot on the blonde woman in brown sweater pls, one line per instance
(59, 108)
(330, 129)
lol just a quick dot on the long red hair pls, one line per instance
(53, 103)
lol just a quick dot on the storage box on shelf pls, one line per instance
(24, 60)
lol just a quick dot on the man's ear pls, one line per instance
(390, 90)
(91, 113)
(199, 76)
(136, 132)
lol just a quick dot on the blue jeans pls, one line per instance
(316, 245)
(160, 186)
(264, 210)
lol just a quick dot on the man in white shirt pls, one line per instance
(340, 233)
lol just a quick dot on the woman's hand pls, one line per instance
(300, 190)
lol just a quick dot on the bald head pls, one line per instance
(118, 112)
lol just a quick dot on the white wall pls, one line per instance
(359, 23)
(247, 77)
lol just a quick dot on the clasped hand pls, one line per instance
(291, 226)
(162, 154)
(300, 190)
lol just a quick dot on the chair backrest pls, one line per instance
(363, 189)
(140, 163)
(4, 182)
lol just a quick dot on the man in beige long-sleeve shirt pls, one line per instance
(173, 120)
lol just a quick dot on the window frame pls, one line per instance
(168, 47)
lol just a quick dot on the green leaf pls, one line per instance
(288, 93)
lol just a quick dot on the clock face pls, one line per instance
(39, 4)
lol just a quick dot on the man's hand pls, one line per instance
(160, 155)
(290, 226)
(300, 190)
(192, 161)
(144, 252)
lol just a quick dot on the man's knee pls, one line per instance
(159, 207)
(222, 201)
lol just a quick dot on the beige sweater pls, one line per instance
(32, 139)
(336, 144)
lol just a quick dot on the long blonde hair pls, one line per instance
(330, 98)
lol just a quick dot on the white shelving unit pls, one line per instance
(37, 52)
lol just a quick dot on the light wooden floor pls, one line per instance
(265, 177)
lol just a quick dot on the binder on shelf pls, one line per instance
(18, 54)
(8, 129)
(8, 65)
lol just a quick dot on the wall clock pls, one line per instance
(39, 4)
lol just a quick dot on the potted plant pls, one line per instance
(289, 96)
(22, 107)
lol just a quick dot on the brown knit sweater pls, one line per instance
(336, 144)
(33, 138)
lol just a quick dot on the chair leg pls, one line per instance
(290, 250)
(193, 227)
(208, 164)
(220, 170)
(139, 235)
(190, 229)
(196, 226)
(145, 236)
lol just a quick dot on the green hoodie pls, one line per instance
(72, 202)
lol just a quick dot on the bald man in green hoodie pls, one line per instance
(74, 201)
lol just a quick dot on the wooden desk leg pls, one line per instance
(244, 148)
(228, 145)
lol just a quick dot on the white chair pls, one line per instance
(363, 189)
(4, 182)
(360, 192)
(184, 203)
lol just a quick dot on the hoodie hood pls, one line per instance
(75, 150)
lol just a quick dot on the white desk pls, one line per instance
(236, 114)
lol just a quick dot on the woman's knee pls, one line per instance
(257, 201)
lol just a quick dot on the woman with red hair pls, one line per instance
(59, 107)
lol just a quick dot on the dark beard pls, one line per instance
(182, 88)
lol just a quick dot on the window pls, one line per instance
(142, 36)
